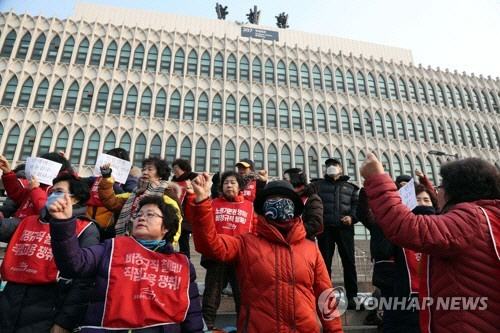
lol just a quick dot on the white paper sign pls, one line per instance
(121, 168)
(408, 195)
(44, 170)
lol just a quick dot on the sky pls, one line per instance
(462, 35)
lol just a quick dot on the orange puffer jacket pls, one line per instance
(280, 278)
(463, 261)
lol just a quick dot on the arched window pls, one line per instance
(390, 126)
(421, 89)
(8, 44)
(421, 130)
(244, 69)
(459, 97)
(53, 48)
(296, 116)
(429, 170)
(189, 104)
(371, 86)
(95, 56)
(382, 86)
(299, 158)
(68, 50)
(468, 99)
(479, 138)
(138, 57)
(258, 156)
(494, 103)
(309, 118)
(244, 151)
(351, 88)
(304, 76)
(387, 166)
(45, 141)
(351, 164)
(57, 92)
(333, 120)
(432, 93)
(161, 103)
(72, 97)
(313, 163)
(230, 110)
(155, 148)
(256, 70)
(215, 156)
(461, 136)
(468, 132)
(284, 123)
(36, 54)
(419, 164)
(12, 143)
(487, 137)
(413, 91)
(411, 129)
(10, 91)
(77, 148)
(109, 142)
(230, 156)
(83, 49)
(200, 155)
(361, 157)
(361, 84)
(28, 143)
(392, 88)
(403, 91)
(146, 101)
(131, 104)
(270, 114)
(166, 60)
(25, 95)
(401, 128)
(339, 77)
(497, 136)
(451, 133)
(171, 149)
(41, 94)
(328, 79)
(111, 53)
(321, 119)
(231, 67)
(93, 148)
(203, 107)
(102, 99)
(408, 168)
(269, 71)
(477, 101)
(324, 155)
(257, 112)
(140, 150)
(368, 124)
(282, 73)
(441, 133)
(22, 49)
(152, 59)
(356, 123)
(272, 160)
(449, 95)
(379, 126)
(126, 142)
(179, 61)
(286, 158)
(219, 66)
(396, 164)
(442, 99)
(346, 121)
(125, 56)
(294, 75)
(484, 97)
(432, 131)
(217, 109)
(116, 100)
(175, 105)
(244, 112)
(318, 83)
(88, 93)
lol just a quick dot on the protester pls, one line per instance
(9, 206)
(340, 200)
(462, 243)
(281, 274)
(254, 183)
(142, 284)
(313, 206)
(37, 298)
(182, 173)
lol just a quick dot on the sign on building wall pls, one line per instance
(260, 33)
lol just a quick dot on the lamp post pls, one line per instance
(442, 153)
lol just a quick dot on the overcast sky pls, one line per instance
(455, 34)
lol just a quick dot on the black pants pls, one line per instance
(184, 243)
(216, 279)
(344, 238)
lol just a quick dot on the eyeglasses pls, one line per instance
(147, 216)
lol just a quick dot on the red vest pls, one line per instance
(232, 217)
(249, 191)
(94, 194)
(145, 288)
(29, 258)
(182, 184)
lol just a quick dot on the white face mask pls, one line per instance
(332, 170)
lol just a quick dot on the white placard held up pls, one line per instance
(44, 170)
(121, 168)
(408, 195)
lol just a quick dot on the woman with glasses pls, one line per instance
(142, 284)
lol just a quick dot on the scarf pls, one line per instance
(151, 244)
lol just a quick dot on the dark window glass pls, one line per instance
(244, 69)
(270, 114)
(57, 92)
(152, 59)
(22, 49)
(146, 101)
(231, 67)
(10, 91)
(131, 104)
(138, 57)
(117, 100)
(166, 60)
(53, 49)
(8, 44)
(269, 72)
(124, 56)
(68, 50)
(77, 148)
(189, 104)
(161, 104)
(93, 148)
(36, 54)
(26, 91)
(95, 57)
(256, 70)
(257, 112)
(192, 65)
(179, 62)
(72, 97)
(217, 109)
(203, 107)
(111, 55)
(175, 105)
(41, 94)
(102, 99)
(88, 93)
(45, 141)
(83, 49)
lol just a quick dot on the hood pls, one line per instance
(135, 172)
(296, 234)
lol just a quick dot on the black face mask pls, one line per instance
(424, 210)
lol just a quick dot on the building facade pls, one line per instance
(177, 86)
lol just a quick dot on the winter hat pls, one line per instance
(278, 187)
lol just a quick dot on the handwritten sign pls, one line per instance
(121, 168)
(44, 170)
(408, 195)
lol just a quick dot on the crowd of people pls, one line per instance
(96, 255)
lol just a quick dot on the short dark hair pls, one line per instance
(297, 177)
(183, 164)
(239, 179)
(419, 188)
(120, 153)
(469, 180)
(161, 166)
(170, 217)
(56, 157)
(78, 188)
